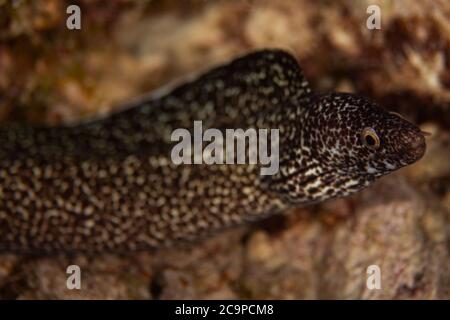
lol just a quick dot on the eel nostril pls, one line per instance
(417, 146)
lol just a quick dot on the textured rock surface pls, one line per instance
(400, 224)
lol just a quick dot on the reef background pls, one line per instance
(126, 48)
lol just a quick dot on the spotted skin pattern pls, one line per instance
(109, 184)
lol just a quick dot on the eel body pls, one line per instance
(110, 185)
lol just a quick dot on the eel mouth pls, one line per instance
(414, 145)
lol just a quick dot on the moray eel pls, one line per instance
(109, 185)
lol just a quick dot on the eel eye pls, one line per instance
(370, 138)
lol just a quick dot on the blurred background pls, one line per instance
(125, 48)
